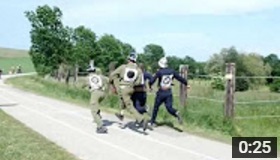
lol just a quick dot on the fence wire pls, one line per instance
(255, 102)
(257, 117)
(237, 77)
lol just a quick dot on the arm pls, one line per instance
(139, 79)
(113, 78)
(149, 78)
(154, 78)
(105, 81)
(180, 78)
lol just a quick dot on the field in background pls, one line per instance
(20, 142)
(12, 58)
(12, 53)
(201, 116)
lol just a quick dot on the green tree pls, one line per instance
(150, 57)
(85, 47)
(50, 40)
(174, 62)
(110, 50)
(217, 63)
(274, 62)
(254, 66)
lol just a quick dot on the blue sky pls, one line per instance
(197, 28)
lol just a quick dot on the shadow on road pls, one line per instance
(171, 125)
(107, 123)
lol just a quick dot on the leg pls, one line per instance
(120, 115)
(170, 109)
(126, 96)
(158, 102)
(168, 104)
(96, 96)
(138, 102)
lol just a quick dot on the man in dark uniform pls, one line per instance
(164, 95)
(139, 97)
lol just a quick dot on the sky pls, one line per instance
(195, 28)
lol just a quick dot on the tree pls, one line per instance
(85, 47)
(253, 65)
(150, 57)
(174, 62)
(110, 50)
(274, 62)
(50, 40)
(246, 65)
(215, 64)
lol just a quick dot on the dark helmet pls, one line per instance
(132, 57)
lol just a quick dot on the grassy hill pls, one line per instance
(14, 57)
(12, 53)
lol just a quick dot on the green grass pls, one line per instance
(13, 53)
(25, 62)
(201, 117)
(18, 142)
(13, 57)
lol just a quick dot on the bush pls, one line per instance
(218, 84)
(241, 85)
(275, 86)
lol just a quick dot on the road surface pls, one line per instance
(71, 127)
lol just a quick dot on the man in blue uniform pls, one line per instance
(164, 95)
(139, 97)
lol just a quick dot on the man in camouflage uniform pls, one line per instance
(97, 85)
(124, 78)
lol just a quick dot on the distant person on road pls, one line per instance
(1, 73)
(124, 78)
(164, 95)
(12, 71)
(19, 70)
(97, 84)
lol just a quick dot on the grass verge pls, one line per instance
(19, 142)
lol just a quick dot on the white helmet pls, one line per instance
(91, 69)
(162, 62)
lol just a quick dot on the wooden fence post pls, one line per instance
(230, 90)
(183, 89)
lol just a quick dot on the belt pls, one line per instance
(165, 88)
(139, 89)
(98, 89)
(123, 86)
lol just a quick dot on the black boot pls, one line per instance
(101, 130)
(179, 118)
(119, 116)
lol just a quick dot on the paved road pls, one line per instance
(71, 127)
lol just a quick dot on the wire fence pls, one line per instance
(257, 101)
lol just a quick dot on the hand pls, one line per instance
(114, 90)
(188, 87)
